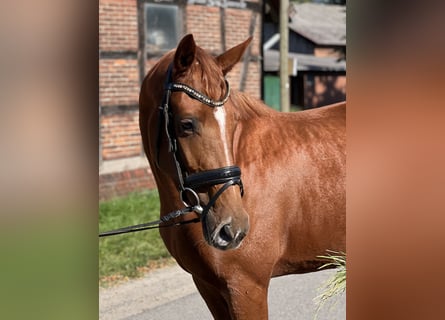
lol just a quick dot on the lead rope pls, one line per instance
(154, 224)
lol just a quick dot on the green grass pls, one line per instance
(129, 255)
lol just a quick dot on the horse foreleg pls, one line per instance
(248, 300)
(242, 300)
(213, 298)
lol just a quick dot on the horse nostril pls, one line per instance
(227, 233)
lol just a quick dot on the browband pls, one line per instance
(177, 86)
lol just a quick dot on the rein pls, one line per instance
(188, 183)
(153, 224)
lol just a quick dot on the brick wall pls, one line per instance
(118, 82)
(237, 28)
(121, 183)
(253, 79)
(120, 136)
(118, 79)
(118, 29)
(204, 23)
(201, 19)
(118, 96)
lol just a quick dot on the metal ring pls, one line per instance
(193, 193)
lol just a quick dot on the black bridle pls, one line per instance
(189, 183)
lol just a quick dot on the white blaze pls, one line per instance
(220, 116)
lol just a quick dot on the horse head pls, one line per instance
(196, 122)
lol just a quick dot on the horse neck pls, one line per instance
(248, 108)
(249, 113)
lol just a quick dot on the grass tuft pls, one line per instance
(334, 286)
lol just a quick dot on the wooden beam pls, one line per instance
(284, 50)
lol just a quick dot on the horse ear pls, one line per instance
(232, 56)
(185, 53)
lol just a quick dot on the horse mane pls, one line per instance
(247, 107)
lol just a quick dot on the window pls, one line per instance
(161, 27)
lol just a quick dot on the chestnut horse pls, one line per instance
(207, 144)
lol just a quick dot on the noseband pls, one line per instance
(189, 183)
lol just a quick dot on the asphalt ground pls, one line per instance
(169, 294)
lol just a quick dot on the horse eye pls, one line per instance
(186, 127)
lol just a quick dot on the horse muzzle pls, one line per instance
(223, 228)
(226, 234)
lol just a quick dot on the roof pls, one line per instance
(304, 62)
(323, 24)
